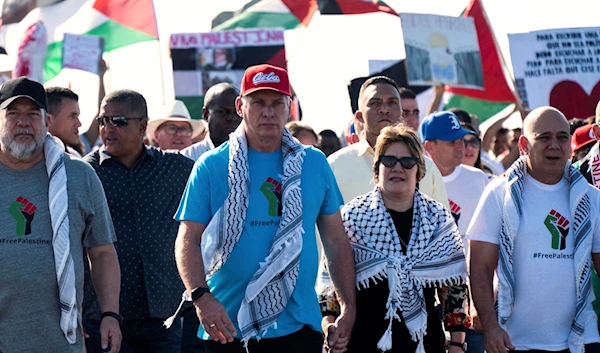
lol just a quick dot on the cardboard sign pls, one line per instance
(82, 52)
(558, 67)
(442, 50)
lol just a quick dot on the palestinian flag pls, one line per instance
(119, 22)
(497, 93)
(290, 14)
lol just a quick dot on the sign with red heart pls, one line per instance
(558, 67)
(571, 99)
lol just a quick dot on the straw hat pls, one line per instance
(176, 111)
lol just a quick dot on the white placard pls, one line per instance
(558, 67)
(442, 50)
(82, 52)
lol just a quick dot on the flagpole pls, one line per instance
(160, 58)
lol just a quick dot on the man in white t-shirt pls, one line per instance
(537, 226)
(442, 137)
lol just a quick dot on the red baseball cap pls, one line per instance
(582, 136)
(265, 76)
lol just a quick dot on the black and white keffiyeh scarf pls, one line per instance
(58, 202)
(434, 258)
(273, 284)
(580, 206)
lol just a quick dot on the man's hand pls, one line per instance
(497, 340)
(338, 333)
(110, 334)
(215, 319)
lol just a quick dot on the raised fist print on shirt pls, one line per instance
(272, 191)
(558, 226)
(23, 212)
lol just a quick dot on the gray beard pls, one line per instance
(23, 151)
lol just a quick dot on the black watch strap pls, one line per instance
(198, 292)
(116, 316)
(462, 346)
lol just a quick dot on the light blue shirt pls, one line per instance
(206, 192)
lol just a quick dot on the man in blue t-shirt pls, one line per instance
(247, 249)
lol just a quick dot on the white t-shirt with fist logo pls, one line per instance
(543, 267)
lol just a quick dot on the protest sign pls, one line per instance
(201, 60)
(442, 50)
(558, 67)
(82, 52)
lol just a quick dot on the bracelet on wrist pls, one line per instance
(114, 315)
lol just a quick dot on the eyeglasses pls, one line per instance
(475, 143)
(115, 121)
(405, 162)
(172, 130)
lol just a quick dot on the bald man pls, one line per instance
(219, 111)
(538, 227)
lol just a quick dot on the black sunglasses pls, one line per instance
(405, 162)
(475, 142)
(114, 120)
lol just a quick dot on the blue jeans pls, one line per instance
(150, 336)
(475, 342)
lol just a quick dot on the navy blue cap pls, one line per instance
(441, 126)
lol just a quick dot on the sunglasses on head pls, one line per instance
(405, 162)
(474, 142)
(114, 120)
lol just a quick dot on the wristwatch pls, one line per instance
(462, 346)
(198, 292)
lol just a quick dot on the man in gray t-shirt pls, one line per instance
(51, 206)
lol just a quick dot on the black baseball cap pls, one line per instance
(22, 87)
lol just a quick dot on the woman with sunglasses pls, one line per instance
(406, 248)
(472, 150)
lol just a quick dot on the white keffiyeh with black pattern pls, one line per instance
(61, 244)
(435, 257)
(273, 284)
(580, 207)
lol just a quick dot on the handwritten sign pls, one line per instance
(82, 52)
(558, 67)
(201, 60)
(250, 37)
(442, 50)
